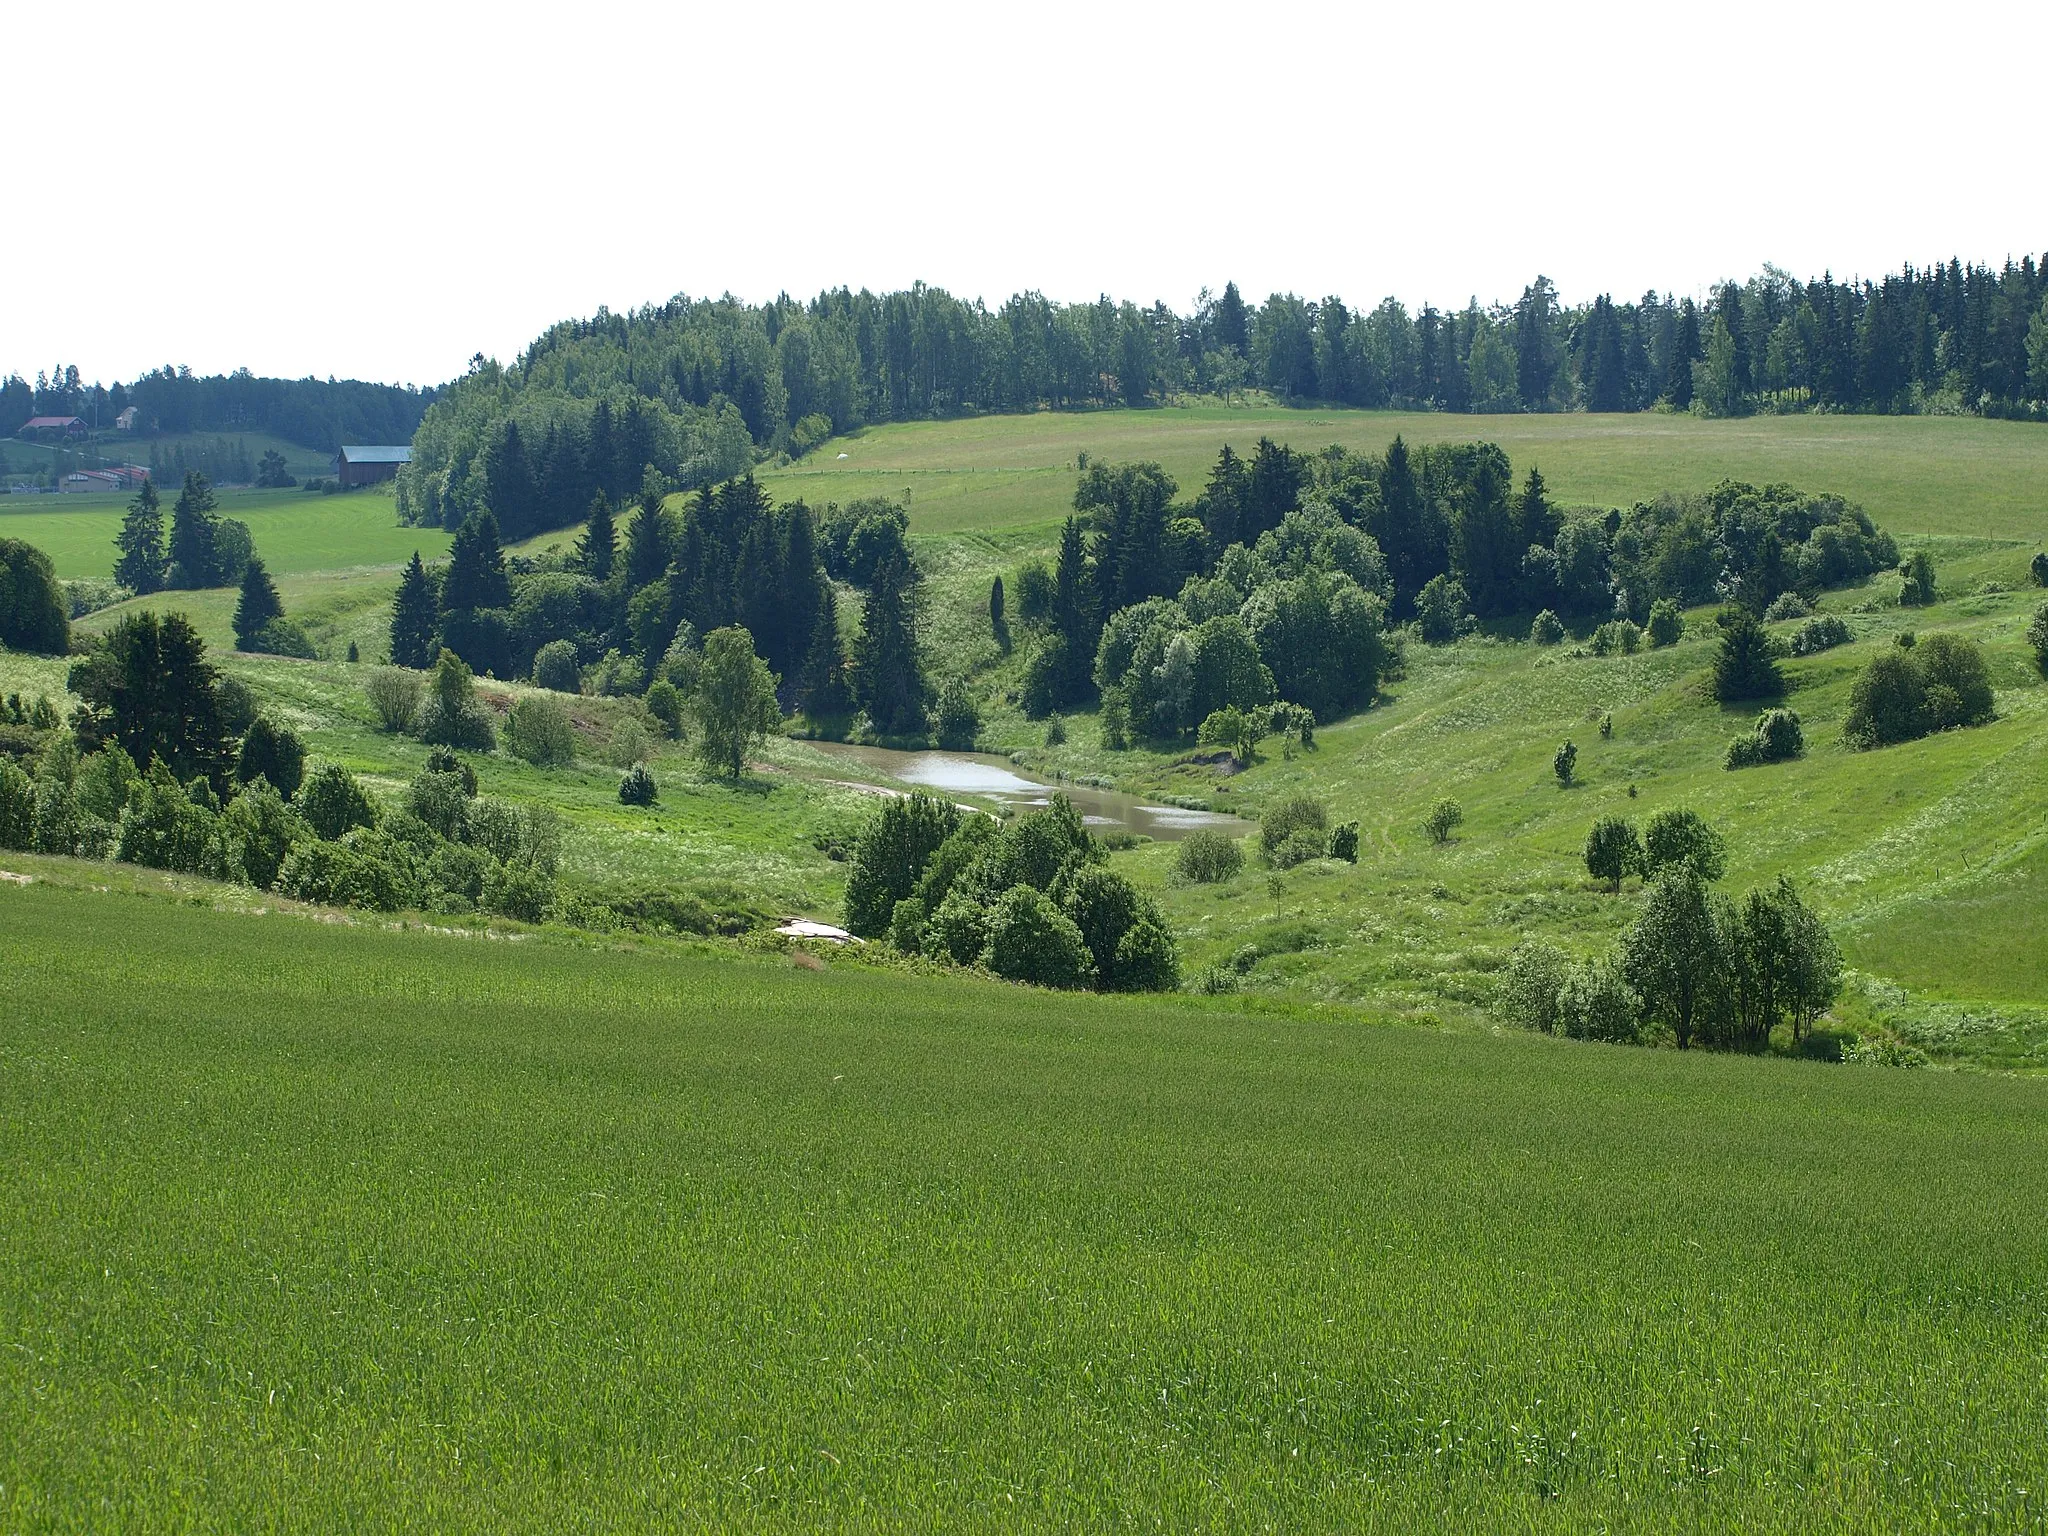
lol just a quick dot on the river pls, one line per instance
(994, 778)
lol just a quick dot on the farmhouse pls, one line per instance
(46, 427)
(125, 422)
(367, 464)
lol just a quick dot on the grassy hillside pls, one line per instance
(319, 1226)
(295, 533)
(1933, 475)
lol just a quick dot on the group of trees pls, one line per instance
(33, 613)
(200, 548)
(634, 610)
(788, 374)
(1693, 965)
(1934, 683)
(317, 413)
(1032, 901)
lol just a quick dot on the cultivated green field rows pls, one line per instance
(307, 1226)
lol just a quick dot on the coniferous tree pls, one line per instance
(887, 682)
(1231, 327)
(140, 565)
(600, 541)
(998, 619)
(149, 688)
(647, 541)
(257, 606)
(415, 618)
(821, 691)
(1536, 520)
(192, 531)
(476, 567)
(1399, 526)
(1685, 351)
(1073, 615)
(1223, 500)
(1746, 666)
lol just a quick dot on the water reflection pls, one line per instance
(994, 778)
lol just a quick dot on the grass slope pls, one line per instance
(307, 1226)
(1934, 475)
(295, 533)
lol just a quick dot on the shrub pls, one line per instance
(2038, 570)
(165, 827)
(441, 760)
(1595, 1002)
(638, 786)
(1232, 729)
(1439, 607)
(1564, 763)
(261, 831)
(630, 742)
(1613, 850)
(906, 926)
(17, 808)
(959, 719)
(1916, 580)
(1958, 684)
(665, 702)
(1291, 828)
(2037, 632)
(395, 695)
(1056, 732)
(1776, 738)
(1344, 842)
(1667, 624)
(333, 803)
(104, 780)
(1938, 684)
(1683, 837)
(555, 667)
(274, 753)
(332, 874)
(1031, 940)
(958, 930)
(1821, 633)
(618, 675)
(1207, 857)
(1146, 959)
(1108, 910)
(1547, 629)
(1527, 997)
(538, 731)
(450, 714)
(517, 891)
(1445, 817)
(890, 858)
(1617, 636)
(1787, 605)
(439, 800)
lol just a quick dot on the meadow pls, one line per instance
(315, 1225)
(296, 533)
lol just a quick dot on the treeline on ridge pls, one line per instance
(315, 413)
(784, 376)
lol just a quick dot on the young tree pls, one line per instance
(194, 561)
(1916, 586)
(1613, 851)
(735, 701)
(1528, 990)
(600, 541)
(415, 618)
(999, 622)
(1674, 954)
(1683, 837)
(1565, 763)
(1444, 818)
(140, 564)
(1746, 666)
(1782, 964)
(256, 608)
(273, 752)
(1438, 607)
(2037, 636)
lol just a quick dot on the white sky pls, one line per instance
(379, 190)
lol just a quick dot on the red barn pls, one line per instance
(367, 464)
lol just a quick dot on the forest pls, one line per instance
(717, 378)
(315, 413)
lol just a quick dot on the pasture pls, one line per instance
(295, 533)
(315, 1226)
(1925, 475)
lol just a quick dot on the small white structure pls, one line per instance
(804, 928)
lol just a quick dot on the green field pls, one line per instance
(295, 533)
(1937, 475)
(306, 1226)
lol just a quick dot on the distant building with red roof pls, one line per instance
(53, 426)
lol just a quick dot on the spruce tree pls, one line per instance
(647, 541)
(476, 567)
(140, 565)
(600, 541)
(1746, 667)
(1536, 520)
(887, 682)
(821, 683)
(192, 526)
(998, 619)
(258, 605)
(1073, 616)
(415, 618)
(1231, 328)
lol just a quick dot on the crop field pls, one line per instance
(341, 1226)
(1928, 475)
(295, 533)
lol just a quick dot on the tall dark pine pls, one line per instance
(257, 606)
(192, 523)
(1223, 500)
(1073, 615)
(600, 541)
(999, 622)
(1685, 351)
(647, 542)
(476, 567)
(887, 682)
(1400, 525)
(1536, 520)
(821, 682)
(803, 585)
(1232, 330)
(415, 618)
(1746, 666)
(510, 485)
(1272, 490)
(150, 688)
(140, 564)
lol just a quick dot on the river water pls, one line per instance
(994, 778)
